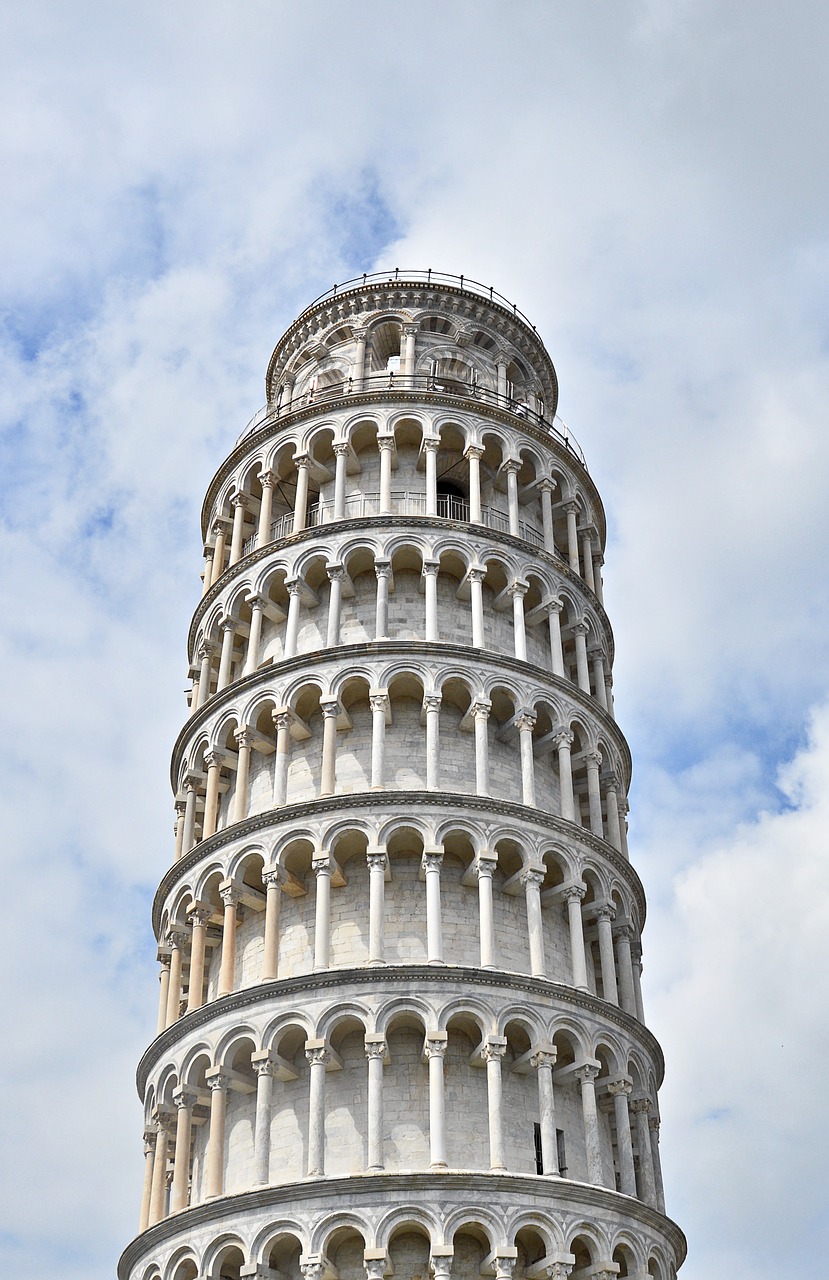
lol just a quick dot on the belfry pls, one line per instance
(400, 1028)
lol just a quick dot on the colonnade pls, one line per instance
(635, 1170)
(185, 943)
(225, 769)
(582, 544)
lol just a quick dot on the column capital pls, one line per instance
(329, 707)
(378, 700)
(596, 654)
(654, 1124)
(262, 1063)
(623, 930)
(322, 864)
(244, 735)
(432, 861)
(580, 628)
(376, 1046)
(229, 893)
(562, 737)
(336, 572)
(574, 892)
(184, 1099)
(164, 1118)
(199, 914)
(385, 440)
(605, 911)
(302, 460)
(431, 568)
(481, 708)
(268, 479)
(431, 443)
(473, 451)
(258, 602)
(216, 1079)
(611, 780)
(547, 485)
(274, 878)
(228, 624)
(640, 1104)
(435, 1046)
(176, 938)
(518, 587)
(544, 1056)
(377, 860)
(239, 500)
(317, 1053)
(214, 759)
(494, 1048)
(205, 649)
(593, 759)
(552, 605)
(571, 507)
(620, 1088)
(587, 1071)
(282, 717)
(382, 568)
(525, 720)
(431, 702)
(476, 574)
(504, 1263)
(485, 864)
(511, 465)
(532, 875)
(341, 448)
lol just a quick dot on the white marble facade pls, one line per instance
(400, 1022)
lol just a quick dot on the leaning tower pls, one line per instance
(400, 1028)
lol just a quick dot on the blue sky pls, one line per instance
(643, 177)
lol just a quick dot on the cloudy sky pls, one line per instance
(648, 179)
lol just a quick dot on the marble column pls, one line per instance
(377, 862)
(303, 469)
(587, 557)
(546, 488)
(571, 511)
(653, 1126)
(586, 1076)
(198, 919)
(294, 588)
(239, 502)
(158, 1189)
(176, 940)
(268, 481)
(647, 1182)
(619, 1091)
(257, 609)
(480, 710)
(593, 763)
(476, 592)
(431, 862)
(218, 553)
(431, 444)
(431, 568)
(573, 895)
(611, 791)
(511, 467)
(215, 1155)
(336, 574)
(330, 709)
(622, 935)
(435, 1050)
(563, 741)
(228, 629)
(543, 1060)
(205, 654)
(493, 1054)
(282, 757)
(322, 867)
(341, 456)
(532, 879)
(556, 651)
(517, 591)
(604, 924)
(265, 1068)
(525, 723)
(317, 1053)
(229, 894)
(386, 446)
(378, 701)
(244, 739)
(184, 1100)
(579, 631)
(408, 361)
(485, 864)
(596, 657)
(164, 961)
(376, 1051)
(431, 706)
(147, 1184)
(272, 881)
(473, 454)
(382, 571)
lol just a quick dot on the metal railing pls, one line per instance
(404, 276)
(422, 383)
(358, 506)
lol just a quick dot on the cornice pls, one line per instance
(548, 1194)
(423, 977)
(360, 800)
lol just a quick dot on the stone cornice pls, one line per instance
(420, 976)
(546, 1193)
(398, 800)
(396, 396)
(497, 536)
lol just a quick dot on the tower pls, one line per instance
(400, 1025)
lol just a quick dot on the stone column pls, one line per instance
(476, 578)
(244, 738)
(653, 1125)
(511, 467)
(336, 573)
(431, 705)
(573, 895)
(624, 810)
(341, 456)
(264, 1067)
(294, 586)
(207, 574)
(440, 1261)
(517, 591)
(563, 742)
(501, 373)
(268, 481)
(180, 806)
(627, 991)
(215, 1155)
(316, 1051)
(435, 1050)
(431, 862)
(378, 700)
(571, 511)
(546, 488)
(282, 756)
(604, 924)
(556, 651)
(158, 1188)
(205, 654)
(257, 609)
(376, 1051)
(273, 901)
(431, 444)
(480, 710)
(474, 453)
(303, 468)
(147, 1184)
(611, 791)
(322, 868)
(213, 760)
(492, 1054)
(579, 631)
(636, 958)
(593, 763)
(485, 864)
(532, 879)
(543, 1060)
(359, 357)
(598, 561)
(431, 568)
(163, 990)
(218, 553)
(587, 557)
(586, 1076)
(619, 1091)
(228, 629)
(382, 571)
(408, 361)
(184, 1100)
(647, 1182)
(330, 708)
(596, 657)
(377, 863)
(227, 973)
(525, 723)
(239, 502)
(386, 446)
(176, 939)
(198, 919)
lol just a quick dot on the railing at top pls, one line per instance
(398, 276)
(390, 382)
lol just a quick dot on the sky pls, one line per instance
(648, 180)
